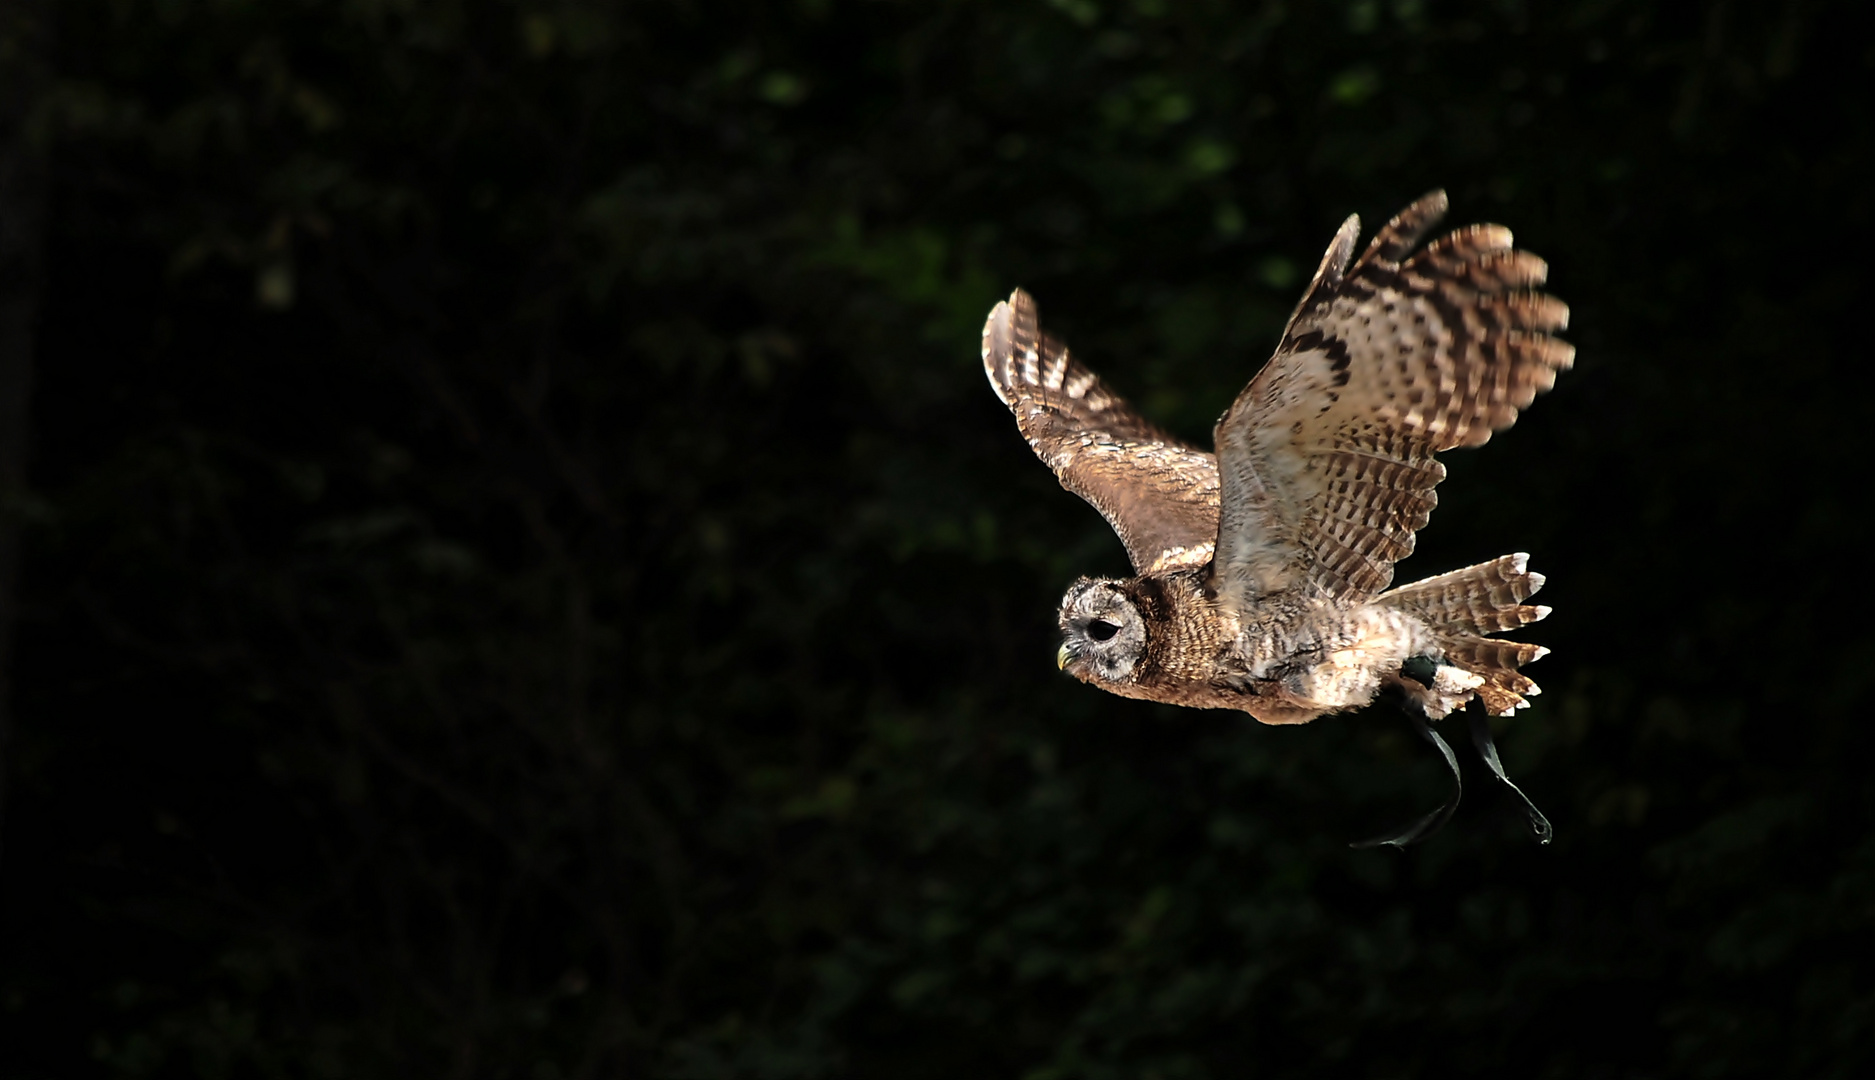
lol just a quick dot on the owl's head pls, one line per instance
(1103, 635)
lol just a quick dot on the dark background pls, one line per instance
(521, 574)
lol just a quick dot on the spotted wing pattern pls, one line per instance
(1327, 456)
(1159, 494)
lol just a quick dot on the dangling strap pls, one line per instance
(1432, 822)
(1481, 738)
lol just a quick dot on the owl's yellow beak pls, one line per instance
(1061, 658)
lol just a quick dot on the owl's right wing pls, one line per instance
(1328, 455)
(1159, 494)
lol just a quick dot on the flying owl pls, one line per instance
(1262, 569)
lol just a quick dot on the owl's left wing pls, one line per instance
(1159, 494)
(1327, 456)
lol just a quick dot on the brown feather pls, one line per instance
(1326, 458)
(1159, 494)
(1463, 605)
(1326, 471)
(1486, 598)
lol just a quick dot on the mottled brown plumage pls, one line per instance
(1261, 569)
(1159, 494)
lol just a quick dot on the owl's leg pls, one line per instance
(1342, 680)
(1436, 687)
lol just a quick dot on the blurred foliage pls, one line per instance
(530, 581)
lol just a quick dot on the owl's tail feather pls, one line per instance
(1463, 606)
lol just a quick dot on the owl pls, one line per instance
(1262, 570)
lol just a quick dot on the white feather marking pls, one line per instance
(1057, 368)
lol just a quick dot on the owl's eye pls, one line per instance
(1101, 629)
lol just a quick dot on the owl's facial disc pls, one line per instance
(1103, 635)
